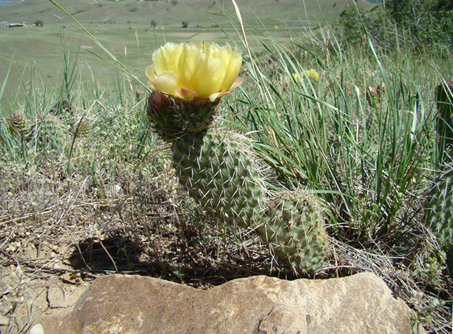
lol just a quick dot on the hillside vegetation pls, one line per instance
(125, 27)
(172, 13)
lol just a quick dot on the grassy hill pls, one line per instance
(124, 27)
(170, 13)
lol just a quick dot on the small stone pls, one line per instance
(37, 329)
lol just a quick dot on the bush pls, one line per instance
(185, 24)
(417, 22)
(39, 23)
(429, 21)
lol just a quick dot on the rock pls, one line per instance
(64, 295)
(37, 329)
(261, 305)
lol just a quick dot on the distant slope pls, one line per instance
(172, 12)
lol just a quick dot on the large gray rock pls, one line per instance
(133, 304)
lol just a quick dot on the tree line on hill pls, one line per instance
(399, 22)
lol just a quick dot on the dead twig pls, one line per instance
(102, 245)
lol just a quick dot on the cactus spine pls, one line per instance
(221, 172)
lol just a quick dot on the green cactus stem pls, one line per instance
(439, 214)
(294, 228)
(444, 127)
(172, 117)
(221, 174)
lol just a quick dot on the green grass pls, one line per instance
(196, 12)
(130, 38)
(38, 52)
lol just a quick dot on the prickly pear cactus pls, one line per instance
(294, 227)
(220, 172)
(444, 127)
(439, 214)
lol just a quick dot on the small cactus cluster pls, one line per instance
(81, 129)
(295, 229)
(439, 214)
(18, 123)
(221, 172)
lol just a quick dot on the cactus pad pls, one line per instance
(295, 230)
(439, 214)
(220, 173)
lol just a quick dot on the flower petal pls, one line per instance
(188, 66)
(162, 56)
(215, 96)
(167, 82)
(186, 94)
(234, 66)
(210, 76)
(150, 73)
(236, 83)
(175, 58)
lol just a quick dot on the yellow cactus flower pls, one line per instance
(197, 69)
(312, 74)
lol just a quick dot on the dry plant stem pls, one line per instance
(102, 245)
(58, 270)
(108, 202)
(83, 259)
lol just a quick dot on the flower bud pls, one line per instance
(82, 129)
(18, 122)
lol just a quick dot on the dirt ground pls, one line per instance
(58, 233)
